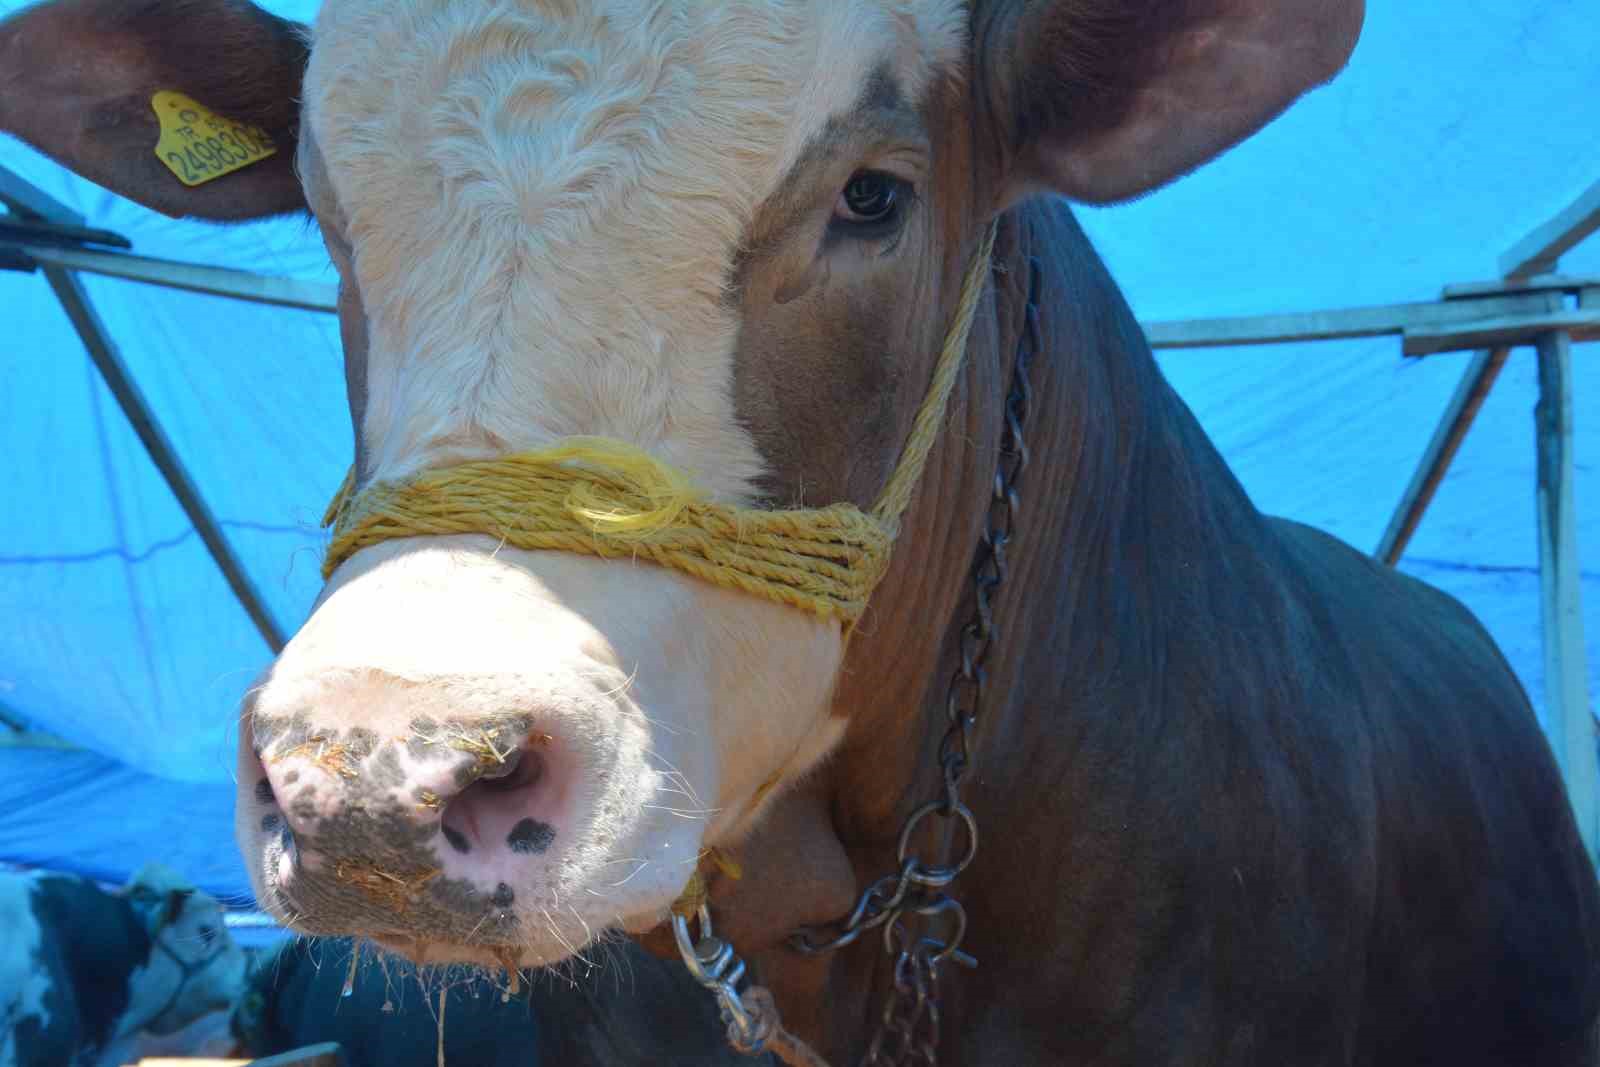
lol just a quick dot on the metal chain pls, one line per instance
(908, 1032)
(713, 963)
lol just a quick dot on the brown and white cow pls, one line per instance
(1246, 796)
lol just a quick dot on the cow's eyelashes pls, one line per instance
(871, 204)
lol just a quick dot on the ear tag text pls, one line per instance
(199, 146)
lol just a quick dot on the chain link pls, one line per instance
(908, 1031)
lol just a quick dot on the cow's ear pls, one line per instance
(1103, 100)
(79, 80)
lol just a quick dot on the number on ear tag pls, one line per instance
(199, 145)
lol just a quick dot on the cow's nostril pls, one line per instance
(491, 811)
(521, 771)
(264, 794)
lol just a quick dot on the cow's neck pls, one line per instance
(1121, 476)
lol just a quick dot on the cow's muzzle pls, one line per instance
(429, 828)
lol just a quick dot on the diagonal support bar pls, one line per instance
(1447, 437)
(69, 290)
(1572, 724)
(1540, 250)
(1528, 268)
(24, 201)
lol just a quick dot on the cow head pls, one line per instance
(195, 967)
(729, 234)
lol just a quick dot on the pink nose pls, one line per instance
(450, 817)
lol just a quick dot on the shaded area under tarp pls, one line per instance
(79, 811)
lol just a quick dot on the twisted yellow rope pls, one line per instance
(609, 499)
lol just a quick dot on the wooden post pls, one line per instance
(1538, 252)
(1572, 726)
(1452, 430)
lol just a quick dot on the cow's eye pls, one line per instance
(872, 199)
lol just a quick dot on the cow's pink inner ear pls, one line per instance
(1109, 104)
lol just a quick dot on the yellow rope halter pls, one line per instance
(605, 498)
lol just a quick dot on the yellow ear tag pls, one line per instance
(199, 145)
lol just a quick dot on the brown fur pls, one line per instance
(1246, 796)
(76, 77)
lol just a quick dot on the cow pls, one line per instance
(85, 972)
(1245, 795)
(632, 1011)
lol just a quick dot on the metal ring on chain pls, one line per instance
(939, 877)
(897, 939)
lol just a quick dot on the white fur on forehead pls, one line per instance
(544, 197)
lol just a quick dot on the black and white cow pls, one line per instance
(84, 971)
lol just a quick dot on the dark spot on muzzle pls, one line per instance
(264, 792)
(269, 823)
(503, 897)
(531, 836)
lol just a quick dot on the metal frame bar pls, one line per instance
(1561, 610)
(1538, 252)
(187, 277)
(1580, 325)
(1447, 437)
(24, 200)
(16, 733)
(69, 290)
(34, 739)
(30, 203)
(1538, 283)
(1347, 323)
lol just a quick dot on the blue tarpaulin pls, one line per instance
(1457, 128)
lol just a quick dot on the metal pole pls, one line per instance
(1572, 724)
(69, 290)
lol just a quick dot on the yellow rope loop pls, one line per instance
(697, 888)
(896, 495)
(609, 499)
(628, 493)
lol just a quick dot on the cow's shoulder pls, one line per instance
(1478, 854)
(1419, 633)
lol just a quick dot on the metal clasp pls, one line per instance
(716, 966)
